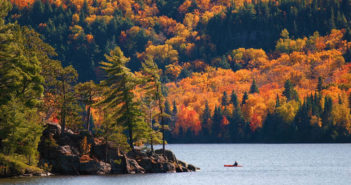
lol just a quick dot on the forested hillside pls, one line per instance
(143, 72)
(172, 32)
(302, 94)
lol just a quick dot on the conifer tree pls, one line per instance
(216, 122)
(87, 93)
(234, 99)
(254, 88)
(153, 89)
(289, 91)
(67, 103)
(175, 110)
(120, 97)
(237, 124)
(225, 99)
(21, 87)
(205, 120)
(320, 84)
(327, 112)
(245, 97)
(277, 102)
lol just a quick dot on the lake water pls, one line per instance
(263, 164)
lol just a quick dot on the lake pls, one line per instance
(263, 164)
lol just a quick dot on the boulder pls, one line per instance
(65, 164)
(118, 166)
(94, 167)
(168, 168)
(98, 150)
(192, 168)
(132, 166)
(168, 154)
(147, 163)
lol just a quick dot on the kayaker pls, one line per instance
(235, 163)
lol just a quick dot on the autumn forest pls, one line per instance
(147, 72)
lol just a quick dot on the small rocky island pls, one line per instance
(62, 154)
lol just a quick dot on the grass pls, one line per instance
(12, 167)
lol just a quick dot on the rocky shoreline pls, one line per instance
(63, 154)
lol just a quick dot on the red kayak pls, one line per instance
(230, 165)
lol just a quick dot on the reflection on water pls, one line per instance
(264, 164)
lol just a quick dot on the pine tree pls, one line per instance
(320, 84)
(153, 89)
(88, 92)
(216, 122)
(327, 112)
(245, 97)
(289, 91)
(20, 130)
(277, 102)
(234, 99)
(225, 99)
(19, 70)
(205, 120)
(120, 98)
(21, 87)
(148, 107)
(237, 124)
(254, 88)
(67, 103)
(174, 115)
(174, 110)
(112, 133)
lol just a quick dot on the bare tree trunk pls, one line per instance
(88, 119)
(63, 110)
(152, 128)
(162, 122)
(106, 148)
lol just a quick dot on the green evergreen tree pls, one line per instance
(254, 88)
(21, 87)
(153, 89)
(327, 113)
(237, 125)
(205, 120)
(120, 98)
(234, 99)
(87, 93)
(20, 130)
(245, 97)
(67, 103)
(225, 99)
(277, 102)
(174, 110)
(320, 84)
(112, 134)
(216, 123)
(289, 91)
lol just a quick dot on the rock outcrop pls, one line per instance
(63, 153)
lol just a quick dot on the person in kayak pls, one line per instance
(235, 163)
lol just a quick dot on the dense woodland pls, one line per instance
(143, 72)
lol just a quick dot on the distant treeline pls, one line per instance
(314, 119)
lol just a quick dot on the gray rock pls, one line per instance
(94, 167)
(191, 168)
(133, 167)
(168, 154)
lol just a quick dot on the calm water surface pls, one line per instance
(263, 164)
